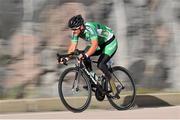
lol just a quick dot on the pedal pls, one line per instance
(107, 92)
(114, 97)
(117, 96)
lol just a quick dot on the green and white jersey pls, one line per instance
(95, 31)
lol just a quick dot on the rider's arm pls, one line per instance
(94, 41)
(92, 49)
(72, 47)
(74, 42)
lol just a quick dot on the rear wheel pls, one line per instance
(71, 90)
(126, 89)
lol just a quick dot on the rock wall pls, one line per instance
(32, 32)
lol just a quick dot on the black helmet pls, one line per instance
(75, 21)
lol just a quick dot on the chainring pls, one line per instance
(99, 95)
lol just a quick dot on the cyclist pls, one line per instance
(102, 43)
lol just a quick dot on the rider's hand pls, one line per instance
(63, 60)
(82, 56)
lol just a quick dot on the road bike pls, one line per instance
(76, 85)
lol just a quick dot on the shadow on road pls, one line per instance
(150, 101)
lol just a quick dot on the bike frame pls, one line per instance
(82, 70)
(81, 67)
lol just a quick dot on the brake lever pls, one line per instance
(58, 57)
(64, 61)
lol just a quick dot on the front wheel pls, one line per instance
(74, 90)
(125, 86)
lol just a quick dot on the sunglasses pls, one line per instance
(75, 28)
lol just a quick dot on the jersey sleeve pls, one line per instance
(93, 32)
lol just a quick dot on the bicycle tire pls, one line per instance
(126, 104)
(61, 94)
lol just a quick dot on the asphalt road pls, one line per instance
(170, 112)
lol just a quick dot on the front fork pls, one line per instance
(75, 87)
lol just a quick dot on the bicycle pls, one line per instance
(77, 83)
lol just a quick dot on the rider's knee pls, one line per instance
(101, 66)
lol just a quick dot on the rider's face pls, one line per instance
(77, 30)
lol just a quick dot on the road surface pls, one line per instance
(170, 112)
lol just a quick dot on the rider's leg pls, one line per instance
(107, 54)
(102, 65)
(87, 63)
(103, 59)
